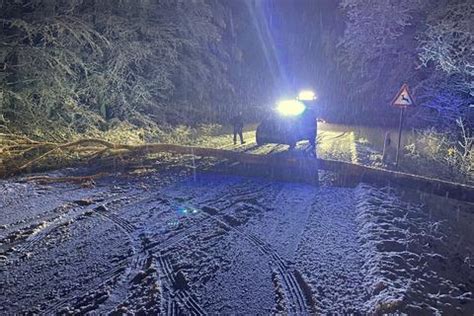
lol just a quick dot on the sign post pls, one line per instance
(402, 100)
(400, 127)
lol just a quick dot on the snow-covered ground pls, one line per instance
(334, 142)
(174, 244)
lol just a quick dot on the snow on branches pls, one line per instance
(448, 41)
(428, 44)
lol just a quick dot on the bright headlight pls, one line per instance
(306, 95)
(290, 107)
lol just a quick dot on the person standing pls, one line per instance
(238, 125)
(388, 152)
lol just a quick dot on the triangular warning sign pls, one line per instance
(403, 97)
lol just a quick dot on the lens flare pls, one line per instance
(172, 224)
(186, 210)
(290, 107)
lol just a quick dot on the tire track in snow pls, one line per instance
(296, 297)
(293, 291)
(138, 263)
(173, 299)
(141, 254)
(239, 193)
(125, 225)
(57, 222)
(291, 284)
(124, 268)
(333, 268)
(292, 288)
(186, 299)
(183, 234)
(105, 279)
(177, 300)
(29, 235)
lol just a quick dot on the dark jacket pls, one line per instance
(237, 122)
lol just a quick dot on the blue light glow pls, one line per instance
(172, 224)
(186, 210)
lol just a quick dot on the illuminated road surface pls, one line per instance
(174, 244)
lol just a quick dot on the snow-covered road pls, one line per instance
(174, 244)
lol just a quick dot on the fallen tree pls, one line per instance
(19, 154)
